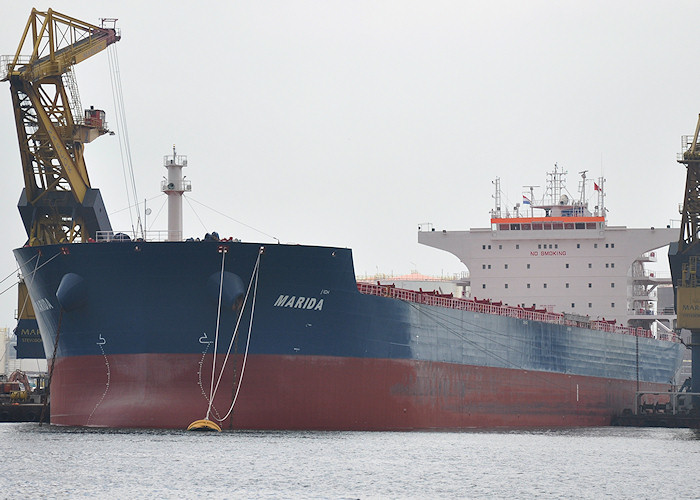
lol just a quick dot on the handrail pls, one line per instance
(449, 302)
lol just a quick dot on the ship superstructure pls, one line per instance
(558, 254)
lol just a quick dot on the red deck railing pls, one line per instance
(496, 308)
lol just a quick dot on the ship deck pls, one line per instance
(486, 306)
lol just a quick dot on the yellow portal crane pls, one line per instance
(684, 256)
(690, 216)
(57, 204)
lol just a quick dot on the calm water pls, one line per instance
(48, 462)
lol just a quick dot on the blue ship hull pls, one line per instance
(134, 325)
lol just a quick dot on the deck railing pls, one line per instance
(496, 308)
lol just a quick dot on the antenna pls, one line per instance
(532, 199)
(497, 197)
(582, 189)
(555, 185)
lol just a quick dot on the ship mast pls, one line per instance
(174, 186)
(497, 198)
(583, 187)
(555, 185)
(600, 206)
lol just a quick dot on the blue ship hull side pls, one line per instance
(158, 298)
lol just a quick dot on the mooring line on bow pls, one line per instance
(256, 272)
(224, 251)
(206, 423)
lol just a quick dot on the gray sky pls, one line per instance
(348, 123)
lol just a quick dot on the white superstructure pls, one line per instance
(558, 255)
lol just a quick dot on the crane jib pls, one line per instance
(58, 205)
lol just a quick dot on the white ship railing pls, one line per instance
(150, 236)
(164, 235)
(497, 308)
(463, 275)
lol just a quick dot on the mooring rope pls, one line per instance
(17, 269)
(32, 273)
(213, 389)
(256, 274)
(24, 304)
(224, 250)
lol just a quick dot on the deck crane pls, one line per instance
(684, 256)
(57, 204)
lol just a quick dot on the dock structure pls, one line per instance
(677, 412)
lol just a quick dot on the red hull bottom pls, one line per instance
(328, 393)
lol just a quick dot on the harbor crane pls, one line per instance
(57, 204)
(684, 256)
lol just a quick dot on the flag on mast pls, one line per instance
(526, 200)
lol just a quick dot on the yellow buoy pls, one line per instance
(204, 425)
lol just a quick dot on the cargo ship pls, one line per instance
(141, 332)
(301, 344)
